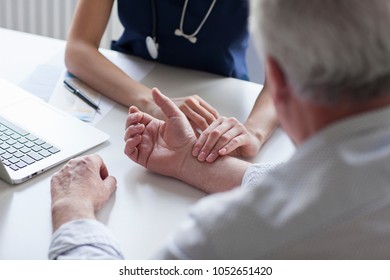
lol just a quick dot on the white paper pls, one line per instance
(68, 102)
(64, 100)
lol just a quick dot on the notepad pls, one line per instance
(64, 100)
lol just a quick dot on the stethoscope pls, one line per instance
(151, 41)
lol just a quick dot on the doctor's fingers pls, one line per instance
(222, 148)
(198, 102)
(219, 134)
(204, 136)
(199, 112)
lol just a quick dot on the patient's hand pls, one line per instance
(79, 189)
(160, 146)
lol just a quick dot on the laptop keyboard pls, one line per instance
(19, 148)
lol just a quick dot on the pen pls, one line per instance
(73, 89)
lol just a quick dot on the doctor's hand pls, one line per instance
(79, 189)
(199, 112)
(226, 136)
(160, 146)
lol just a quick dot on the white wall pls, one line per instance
(255, 65)
(50, 18)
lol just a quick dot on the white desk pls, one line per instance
(146, 207)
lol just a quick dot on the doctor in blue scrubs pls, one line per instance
(205, 35)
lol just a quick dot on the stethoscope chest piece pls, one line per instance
(151, 43)
(152, 47)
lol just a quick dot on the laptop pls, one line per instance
(34, 136)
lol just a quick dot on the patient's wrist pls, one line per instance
(67, 210)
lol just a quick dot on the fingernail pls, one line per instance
(222, 151)
(195, 152)
(202, 156)
(140, 127)
(211, 157)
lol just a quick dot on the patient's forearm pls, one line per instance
(222, 175)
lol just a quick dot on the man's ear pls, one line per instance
(276, 80)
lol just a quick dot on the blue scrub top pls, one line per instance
(221, 43)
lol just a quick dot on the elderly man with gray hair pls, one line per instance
(328, 68)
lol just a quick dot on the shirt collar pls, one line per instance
(350, 126)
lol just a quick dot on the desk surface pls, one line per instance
(147, 207)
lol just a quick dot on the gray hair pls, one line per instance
(328, 49)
